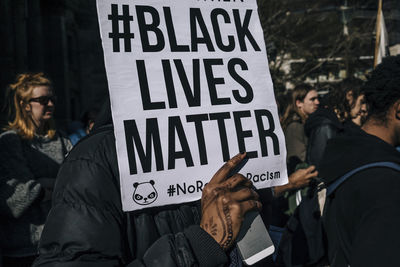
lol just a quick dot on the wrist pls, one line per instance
(207, 250)
(290, 185)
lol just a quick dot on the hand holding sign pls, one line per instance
(189, 87)
(225, 201)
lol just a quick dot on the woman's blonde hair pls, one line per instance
(298, 93)
(21, 93)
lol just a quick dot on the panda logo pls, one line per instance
(145, 193)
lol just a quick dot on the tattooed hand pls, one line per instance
(225, 201)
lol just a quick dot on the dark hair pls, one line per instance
(382, 89)
(89, 116)
(337, 97)
(283, 101)
(298, 93)
(353, 85)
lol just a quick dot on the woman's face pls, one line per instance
(356, 106)
(41, 104)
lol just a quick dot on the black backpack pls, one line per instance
(303, 242)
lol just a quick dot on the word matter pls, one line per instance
(176, 131)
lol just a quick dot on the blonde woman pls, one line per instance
(31, 152)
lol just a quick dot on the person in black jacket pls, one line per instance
(337, 111)
(87, 227)
(362, 217)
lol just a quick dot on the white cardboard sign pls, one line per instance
(190, 87)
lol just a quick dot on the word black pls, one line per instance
(196, 22)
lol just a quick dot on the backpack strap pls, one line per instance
(388, 164)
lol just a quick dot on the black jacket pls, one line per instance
(320, 126)
(86, 225)
(363, 216)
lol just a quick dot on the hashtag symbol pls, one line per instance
(171, 190)
(115, 35)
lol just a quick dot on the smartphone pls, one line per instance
(253, 241)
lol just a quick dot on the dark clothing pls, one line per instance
(18, 262)
(28, 169)
(87, 227)
(296, 140)
(320, 126)
(362, 217)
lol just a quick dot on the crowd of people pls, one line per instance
(60, 200)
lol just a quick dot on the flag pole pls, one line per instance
(378, 32)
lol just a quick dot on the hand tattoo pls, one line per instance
(211, 226)
(228, 242)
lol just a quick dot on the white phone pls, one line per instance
(253, 241)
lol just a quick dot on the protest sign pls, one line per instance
(190, 88)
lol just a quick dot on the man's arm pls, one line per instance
(86, 225)
(297, 180)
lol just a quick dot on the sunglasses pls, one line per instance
(43, 100)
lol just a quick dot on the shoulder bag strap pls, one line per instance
(388, 164)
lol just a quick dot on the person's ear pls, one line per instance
(25, 106)
(349, 97)
(397, 109)
(299, 104)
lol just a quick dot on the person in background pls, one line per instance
(79, 129)
(304, 102)
(88, 119)
(362, 217)
(76, 131)
(30, 156)
(295, 106)
(283, 101)
(340, 109)
(353, 107)
(362, 117)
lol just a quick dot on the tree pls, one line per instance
(318, 38)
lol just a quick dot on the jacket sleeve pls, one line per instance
(295, 141)
(173, 250)
(86, 226)
(317, 143)
(18, 188)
